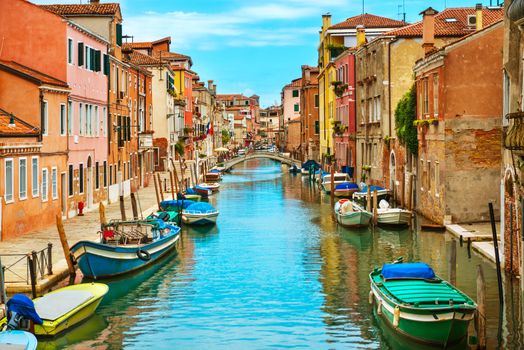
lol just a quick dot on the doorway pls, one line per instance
(63, 195)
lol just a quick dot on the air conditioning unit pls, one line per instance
(472, 21)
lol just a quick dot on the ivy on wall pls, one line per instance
(405, 115)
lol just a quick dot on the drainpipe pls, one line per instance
(41, 99)
(389, 85)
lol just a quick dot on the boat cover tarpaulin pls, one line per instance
(346, 186)
(177, 203)
(52, 306)
(24, 306)
(372, 188)
(214, 171)
(310, 163)
(201, 207)
(408, 270)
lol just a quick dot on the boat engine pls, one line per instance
(20, 310)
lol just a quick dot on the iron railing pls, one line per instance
(38, 265)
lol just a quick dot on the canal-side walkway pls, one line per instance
(77, 228)
(480, 235)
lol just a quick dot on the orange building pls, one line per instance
(33, 128)
(309, 123)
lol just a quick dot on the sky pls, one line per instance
(251, 46)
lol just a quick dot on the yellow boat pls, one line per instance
(65, 307)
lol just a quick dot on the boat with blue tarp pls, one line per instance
(345, 189)
(125, 246)
(200, 213)
(306, 166)
(416, 303)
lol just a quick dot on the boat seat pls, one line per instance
(55, 305)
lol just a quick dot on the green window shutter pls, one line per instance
(92, 54)
(317, 127)
(106, 65)
(296, 108)
(80, 54)
(316, 101)
(98, 55)
(128, 128)
(295, 93)
(119, 34)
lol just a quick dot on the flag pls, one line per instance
(209, 129)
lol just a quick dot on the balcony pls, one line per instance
(145, 140)
(514, 136)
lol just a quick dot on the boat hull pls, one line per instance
(354, 219)
(396, 217)
(17, 338)
(213, 176)
(449, 328)
(344, 193)
(199, 219)
(97, 260)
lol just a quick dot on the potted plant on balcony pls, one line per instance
(335, 50)
(339, 88)
(338, 127)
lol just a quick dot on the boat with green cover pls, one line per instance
(418, 304)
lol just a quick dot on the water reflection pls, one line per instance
(277, 271)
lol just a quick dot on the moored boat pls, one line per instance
(200, 213)
(338, 178)
(199, 190)
(345, 189)
(213, 175)
(392, 216)
(418, 304)
(214, 187)
(350, 214)
(125, 246)
(361, 196)
(17, 340)
(294, 169)
(306, 167)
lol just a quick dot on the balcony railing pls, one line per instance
(514, 136)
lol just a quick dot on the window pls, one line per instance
(435, 95)
(119, 34)
(71, 180)
(114, 78)
(428, 176)
(54, 184)
(110, 175)
(124, 178)
(81, 178)
(80, 120)
(44, 118)
(105, 173)
(437, 177)
(88, 57)
(317, 127)
(62, 119)
(70, 117)
(378, 108)
(44, 185)
(80, 54)
(89, 120)
(129, 170)
(34, 176)
(97, 176)
(104, 118)
(505, 93)
(295, 93)
(22, 178)
(70, 51)
(296, 107)
(9, 181)
(426, 97)
(106, 64)
(97, 122)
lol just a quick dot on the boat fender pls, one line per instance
(396, 316)
(143, 254)
(371, 297)
(379, 307)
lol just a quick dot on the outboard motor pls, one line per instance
(20, 308)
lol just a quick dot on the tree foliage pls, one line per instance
(225, 136)
(179, 148)
(405, 114)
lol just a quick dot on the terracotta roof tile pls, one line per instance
(230, 97)
(140, 59)
(20, 128)
(451, 22)
(139, 45)
(83, 9)
(32, 74)
(170, 55)
(368, 21)
(295, 83)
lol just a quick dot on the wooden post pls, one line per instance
(175, 175)
(480, 323)
(134, 206)
(452, 263)
(197, 180)
(160, 186)
(122, 208)
(402, 190)
(497, 258)
(368, 199)
(375, 206)
(102, 213)
(156, 192)
(332, 187)
(410, 192)
(32, 274)
(65, 245)
(172, 185)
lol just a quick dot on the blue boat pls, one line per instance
(345, 189)
(361, 196)
(125, 246)
(200, 213)
(17, 340)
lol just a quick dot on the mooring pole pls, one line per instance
(481, 309)
(2, 284)
(510, 239)
(497, 258)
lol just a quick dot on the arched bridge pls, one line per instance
(258, 154)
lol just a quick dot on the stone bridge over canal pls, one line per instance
(258, 154)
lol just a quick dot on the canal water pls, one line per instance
(276, 272)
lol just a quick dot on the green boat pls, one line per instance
(419, 305)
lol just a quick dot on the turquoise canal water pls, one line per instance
(276, 272)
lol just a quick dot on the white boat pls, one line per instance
(200, 213)
(392, 216)
(17, 340)
(361, 195)
(210, 186)
(304, 171)
(350, 214)
(338, 178)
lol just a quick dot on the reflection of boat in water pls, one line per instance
(360, 238)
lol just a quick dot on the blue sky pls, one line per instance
(249, 46)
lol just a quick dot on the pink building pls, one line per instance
(346, 110)
(87, 69)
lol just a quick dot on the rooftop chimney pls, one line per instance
(210, 84)
(361, 35)
(94, 1)
(428, 31)
(478, 14)
(326, 21)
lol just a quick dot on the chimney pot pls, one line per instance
(428, 29)
(478, 14)
(361, 35)
(94, 1)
